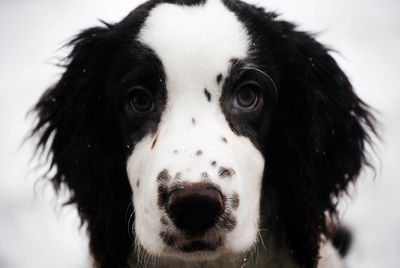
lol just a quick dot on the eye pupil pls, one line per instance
(140, 101)
(246, 97)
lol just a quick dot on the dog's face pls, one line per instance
(215, 119)
(196, 180)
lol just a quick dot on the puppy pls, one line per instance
(204, 133)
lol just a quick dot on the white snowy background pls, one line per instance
(35, 232)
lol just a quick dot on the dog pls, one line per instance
(204, 133)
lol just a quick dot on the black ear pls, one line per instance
(76, 123)
(317, 139)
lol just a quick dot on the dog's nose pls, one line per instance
(195, 208)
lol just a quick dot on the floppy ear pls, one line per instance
(316, 144)
(76, 123)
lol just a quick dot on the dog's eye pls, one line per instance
(140, 101)
(247, 96)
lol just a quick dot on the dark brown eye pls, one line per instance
(140, 101)
(247, 96)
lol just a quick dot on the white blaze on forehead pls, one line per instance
(194, 43)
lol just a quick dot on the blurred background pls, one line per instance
(36, 232)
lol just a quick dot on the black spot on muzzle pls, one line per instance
(208, 95)
(226, 172)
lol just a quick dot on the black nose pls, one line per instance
(195, 208)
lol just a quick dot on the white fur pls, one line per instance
(195, 44)
(329, 257)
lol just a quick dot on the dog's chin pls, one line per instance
(208, 246)
(195, 251)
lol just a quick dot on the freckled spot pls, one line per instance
(162, 196)
(193, 121)
(164, 220)
(213, 163)
(163, 176)
(224, 140)
(204, 176)
(227, 221)
(199, 152)
(154, 142)
(137, 183)
(178, 176)
(219, 78)
(208, 95)
(168, 238)
(226, 172)
(175, 151)
(177, 186)
(235, 201)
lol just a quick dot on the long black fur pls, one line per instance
(314, 146)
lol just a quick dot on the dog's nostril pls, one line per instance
(195, 208)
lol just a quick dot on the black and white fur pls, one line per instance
(278, 167)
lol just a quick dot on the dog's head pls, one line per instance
(214, 118)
